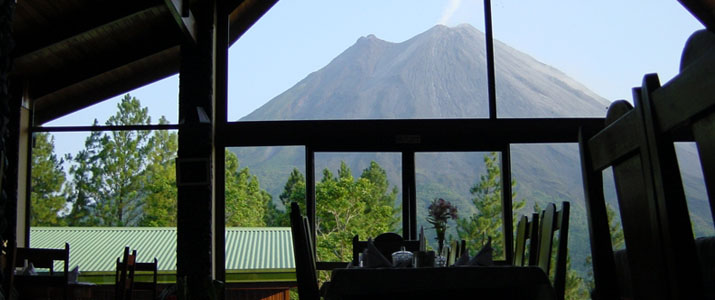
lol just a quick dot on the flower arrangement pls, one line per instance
(439, 212)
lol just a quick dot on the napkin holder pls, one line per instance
(424, 259)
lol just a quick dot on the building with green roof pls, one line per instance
(253, 255)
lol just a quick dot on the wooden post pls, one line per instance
(219, 120)
(194, 165)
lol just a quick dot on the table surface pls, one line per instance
(495, 282)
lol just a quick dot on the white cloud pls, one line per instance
(449, 11)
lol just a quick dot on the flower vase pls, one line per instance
(440, 239)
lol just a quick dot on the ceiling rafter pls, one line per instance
(117, 81)
(703, 10)
(246, 13)
(32, 36)
(184, 18)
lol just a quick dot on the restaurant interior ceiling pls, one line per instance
(71, 54)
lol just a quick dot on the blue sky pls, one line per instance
(606, 45)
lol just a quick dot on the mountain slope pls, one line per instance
(440, 73)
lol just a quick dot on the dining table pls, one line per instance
(458, 282)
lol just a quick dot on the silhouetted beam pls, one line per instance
(32, 37)
(90, 55)
(405, 135)
(245, 15)
(117, 81)
(184, 18)
(76, 51)
(703, 10)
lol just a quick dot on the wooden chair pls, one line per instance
(551, 222)
(521, 241)
(124, 275)
(682, 109)
(42, 259)
(387, 243)
(659, 240)
(148, 288)
(454, 252)
(527, 242)
(303, 252)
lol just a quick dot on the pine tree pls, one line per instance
(487, 221)
(85, 183)
(293, 191)
(109, 183)
(47, 181)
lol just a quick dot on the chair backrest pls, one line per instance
(551, 222)
(455, 251)
(387, 243)
(141, 270)
(654, 250)
(684, 107)
(42, 258)
(533, 227)
(520, 241)
(124, 280)
(304, 255)
(527, 241)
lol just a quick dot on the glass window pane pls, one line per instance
(356, 194)
(331, 64)
(471, 181)
(557, 59)
(691, 173)
(119, 178)
(161, 99)
(260, 184)
(551, 173)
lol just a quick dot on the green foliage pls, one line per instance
(576, 287)
(487, 221)
(246, 202)
(293, 191)
(160, 202)
(47, 181)
(345, 206)
(381, 191)
(618, 241)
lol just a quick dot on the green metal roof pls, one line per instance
(95, 249)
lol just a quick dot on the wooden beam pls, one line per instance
(703, 10)
(116, 81)
(76, 50)
(245, 15)
(105, 128)
(40, 34)
(688, 94)
(616, 140)
(184, 18)
(406, 135)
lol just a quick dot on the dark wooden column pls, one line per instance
(8, 142)
(195, 156)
